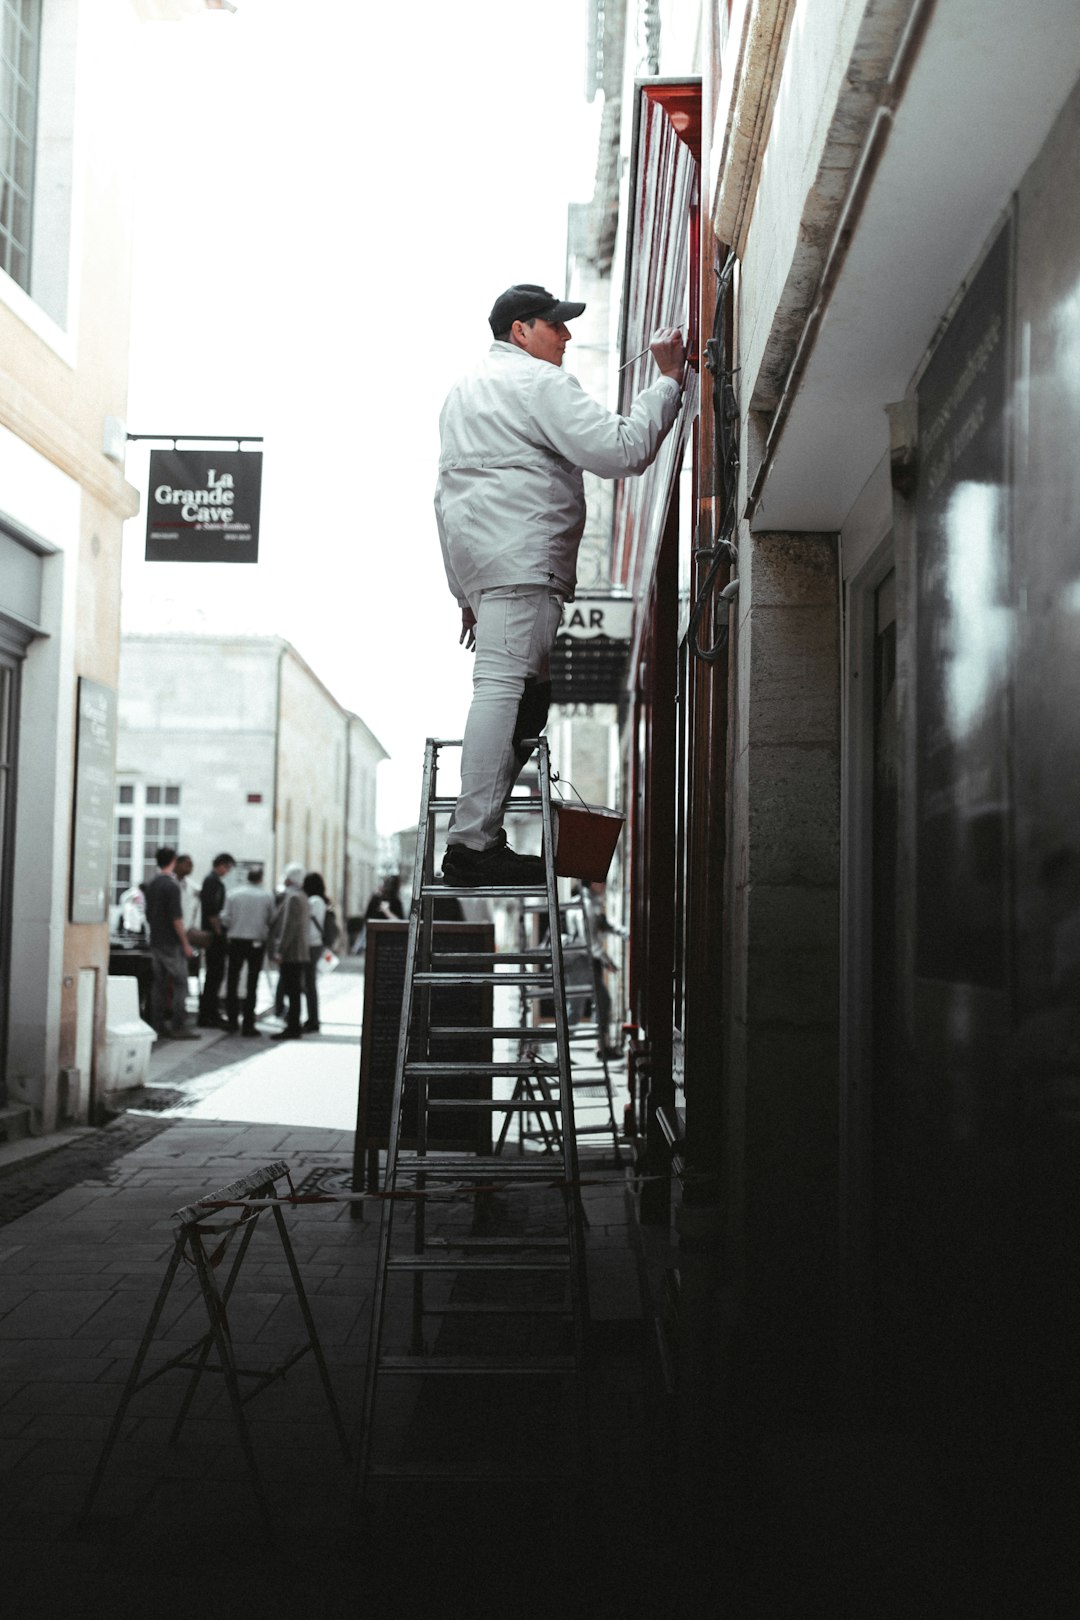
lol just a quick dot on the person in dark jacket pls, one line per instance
(288, 946)
(315, 888)
(212, 898)
(169, 948)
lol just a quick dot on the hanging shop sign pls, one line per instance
(588, 660)
(203, 506)
(590, 616)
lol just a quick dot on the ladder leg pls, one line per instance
(219, 1327)
(423, 870)
(206, 1342)
(577, 1247)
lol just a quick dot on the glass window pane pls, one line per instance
(5, 709)
(152, 829)
(123, 824)
(126, 794)
(123, 848)
(26, 56)
(172, 829)
(123, 873)
(153, 795)
(22, 163)
(172, 795)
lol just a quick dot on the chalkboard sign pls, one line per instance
(962, 638)
(92, 821)
(460, 1005)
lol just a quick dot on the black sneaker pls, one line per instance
(463, 867)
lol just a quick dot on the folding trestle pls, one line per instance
(213, 1218)
(475, 1278)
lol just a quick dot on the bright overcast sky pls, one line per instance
(331, 194)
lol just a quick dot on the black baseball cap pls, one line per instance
(525, 301)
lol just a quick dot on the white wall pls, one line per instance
(819, 48)
(40, 497)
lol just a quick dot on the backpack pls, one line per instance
(330, 930)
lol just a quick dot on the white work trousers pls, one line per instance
(515, 630)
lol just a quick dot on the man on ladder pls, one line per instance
(517, 432)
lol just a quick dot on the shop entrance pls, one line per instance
(9, 731)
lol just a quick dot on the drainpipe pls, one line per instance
(877, 139)
(344, 874)
(276, 866)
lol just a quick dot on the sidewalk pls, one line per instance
(176, 1526)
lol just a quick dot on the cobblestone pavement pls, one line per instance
(91, 1157)
(175, 1528)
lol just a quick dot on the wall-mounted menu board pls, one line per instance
(92, 822)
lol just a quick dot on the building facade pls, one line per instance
(850, 745)
(234, 744)
(65, 240)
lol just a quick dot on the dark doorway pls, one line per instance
(9, 732)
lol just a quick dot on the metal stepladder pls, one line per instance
(590, 1077)
(480, 1286)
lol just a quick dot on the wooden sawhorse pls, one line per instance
(196, 1223)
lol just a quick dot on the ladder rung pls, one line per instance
(501, 1244)
(456, 1308)
(508, 958)
(428, 1366)
(496, 1105)
(534, 981)
(503, 1170)
(506, 1032)
(438, 1071)
(482, 891)
(526, 803)
(417, 1262)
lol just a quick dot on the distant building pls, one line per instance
(233, 743)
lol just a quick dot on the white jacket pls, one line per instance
(516, 434)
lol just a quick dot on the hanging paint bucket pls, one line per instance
(585, 840)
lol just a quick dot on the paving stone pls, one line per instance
(96, 1258)
(48, 1315)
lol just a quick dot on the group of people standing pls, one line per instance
(237, 928)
